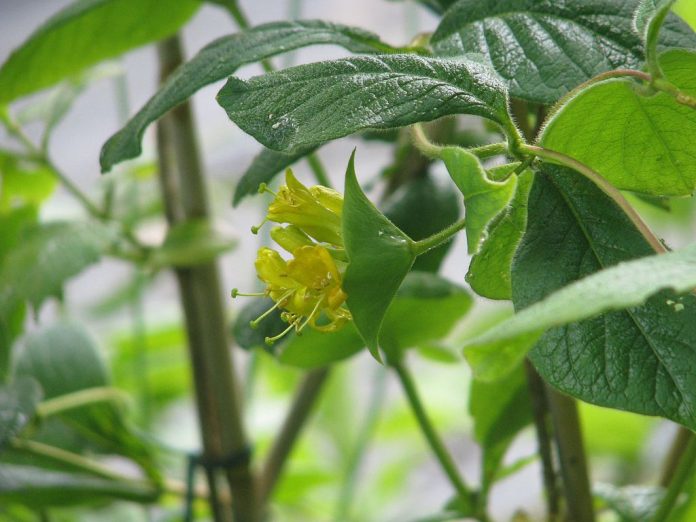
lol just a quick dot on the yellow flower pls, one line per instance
(307, 288)
(315, 210)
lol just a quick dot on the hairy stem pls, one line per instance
(434, 241)
(571, 455)
(604, 185)
(434, 441)
(217, 397)
(302, 405)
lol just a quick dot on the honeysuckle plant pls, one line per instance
(565, 130)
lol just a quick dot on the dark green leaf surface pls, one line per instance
(380, 256)
(38, 487)
(310, 104)
(17, 406)
(489, 271)
(638, 141)
(636, 359)
(48, 256)
(83, 34)
(421, 208)
(222, 58)
(266, 165)
(545, 48)
(484, 199)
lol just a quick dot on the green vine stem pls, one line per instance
(78, 399)
(434, 441)
(302, 405)
(606, 187)
(433, 151)
(682, 473)
(676, 450)
(434, 241)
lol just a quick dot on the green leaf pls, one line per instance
(421, 208)
(38, 487)
(425, 309)
(687, 10)
(635, 359)
(249, 337)
(63, 359)
(83, 34)
(500, 411)
(638, 141)
(49, 255)
(17, 406)
(223, 57)
(266, 165)
(489, 271)
(310, 104)
(315, 349)
(191, 243)
(484, 199)
(545, 48)
(23, 183)
(380, 255)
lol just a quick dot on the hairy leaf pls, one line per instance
(310, 104)
(379, 255)
(222, 58)
(484, 199)
(489, 271)
(649, 16)
(83, 34)
(635, 359)
(545, 48)
(638, 141)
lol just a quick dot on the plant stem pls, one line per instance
(318, 170)
(434, 241)
(436, 445)
(423, 143)
(540, 411)
(604, 185)
(682, 473)
(78, 399)
(357, 454)
(219, 406)
(139, 346)
(302, 405)
(676, 451)
(571, 455)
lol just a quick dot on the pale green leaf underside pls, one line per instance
(622, 286)
(545, 48)
(638, 141)
(222, 58)
(84, 34)
(484, 199)
(310, 104)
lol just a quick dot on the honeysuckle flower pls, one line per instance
(315, 210)
(307, 288)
